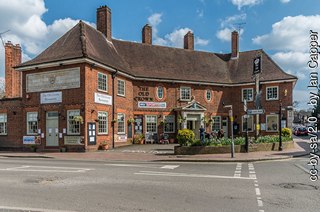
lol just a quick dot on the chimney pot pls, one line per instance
(189, 41)
(104, 21)
(235, 44)
(147, 34)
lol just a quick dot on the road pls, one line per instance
(53, 185)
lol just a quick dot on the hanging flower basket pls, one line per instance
(78, 119)
(130, 120)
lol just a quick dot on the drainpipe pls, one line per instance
(112, 124)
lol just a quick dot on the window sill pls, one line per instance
(102, 91)
(272, 99)
(103, 134)
(121, 95)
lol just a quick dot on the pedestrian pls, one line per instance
(202, 132)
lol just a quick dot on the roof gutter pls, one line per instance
(121, 73)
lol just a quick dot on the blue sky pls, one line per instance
(280, 27)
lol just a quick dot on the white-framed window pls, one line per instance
(208, 95)
(3, 124)
(185, 93)
(32, 123)
(103, 122)
(216, 123)
(160, 92)
(272, 93)
(250, 123)
(247, 94)
(73, 126)
(272, 123)
(121, 123)
(151, 124)
(102, 82)
(121, 87)
(169, 124)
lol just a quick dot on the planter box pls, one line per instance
(193, 150)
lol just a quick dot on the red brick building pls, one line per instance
(87, 88)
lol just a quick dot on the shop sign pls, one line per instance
(53, 80)
(102, 99)
(152, 104)
(143, 94)
(31, 140)
(72, 140)
(52, 97)
(122, 138)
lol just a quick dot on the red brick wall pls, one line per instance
(12, 77)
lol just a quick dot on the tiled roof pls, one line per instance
(157, 62)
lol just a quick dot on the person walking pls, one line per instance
(202, 132)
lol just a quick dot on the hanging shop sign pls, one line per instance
(102, 99)
(53, 80)
(52, 97)
(152, 104)
(257, 65)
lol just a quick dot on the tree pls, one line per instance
(2, 88)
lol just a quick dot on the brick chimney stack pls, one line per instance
(12, 77)
(147, 34)
(189, 41)
(104, 21)
(235, 45)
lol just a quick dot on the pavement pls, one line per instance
(164, 153)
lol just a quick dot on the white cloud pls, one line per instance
(200, 13)
(302, 97)
(225, 34)
(175, 38)
(242, 3)
(233, 20)
(284, 1)
(24, 20)
(291, 33)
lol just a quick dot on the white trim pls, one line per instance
(272, 98)
(107, 123)
(206, 92)
(174, 124)
(158, 92)
(107, 79)
(108, 68)
(68, 128)
(183, 87)
(6, 121)
(243, 121)
(220, 122)
(28, 133)
(277, 123)
(151, 122)
(124, 88)
(124, 124)
(242, 94)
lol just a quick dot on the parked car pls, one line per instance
(300, 131)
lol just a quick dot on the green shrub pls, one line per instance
(286, 132)
(185, 137)
(239, 140)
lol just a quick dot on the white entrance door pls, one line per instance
(225, 127)
(193, 123)
(52, 128)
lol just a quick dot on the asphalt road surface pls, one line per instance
(53, 185)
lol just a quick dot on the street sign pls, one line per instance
(255, 111)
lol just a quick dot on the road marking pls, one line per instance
(143, 166)
(46, 169)
(303, 168)
(237, 172)
(172, 174)
(257, 189)
(169, 166)
(5, 208)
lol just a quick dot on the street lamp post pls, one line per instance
(280, 127)
(231, 121)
